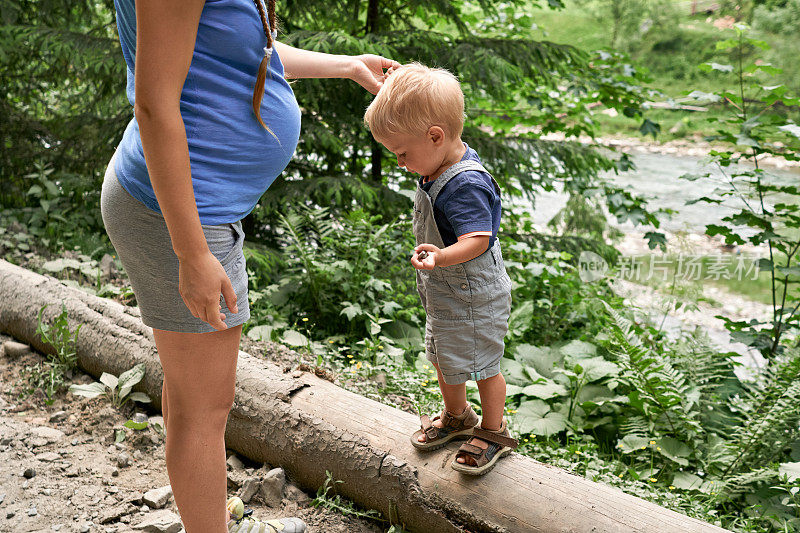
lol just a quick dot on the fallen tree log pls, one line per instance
(308, 425)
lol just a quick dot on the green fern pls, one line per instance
(769, 430)
(771, 409)
(663, 389)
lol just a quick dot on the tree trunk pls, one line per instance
(308, 425)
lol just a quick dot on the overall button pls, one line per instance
(464, 286)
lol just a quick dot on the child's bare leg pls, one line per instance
(455, 398)
(493, 401)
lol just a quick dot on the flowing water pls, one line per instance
(657, 178)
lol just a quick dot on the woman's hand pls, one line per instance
(368, 71)
(426, 257)
(201, 280)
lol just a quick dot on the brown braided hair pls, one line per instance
(258, 91)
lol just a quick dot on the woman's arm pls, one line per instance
(366, 70)
(165, 40)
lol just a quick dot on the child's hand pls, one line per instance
(426, 257)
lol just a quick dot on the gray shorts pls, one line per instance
(467, 308)
(144, 247)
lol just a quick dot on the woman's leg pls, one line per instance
(199, 380)
(164, 405)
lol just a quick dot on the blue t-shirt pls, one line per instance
(467, 203)
(233, 158)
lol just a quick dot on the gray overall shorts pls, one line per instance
(467, 304)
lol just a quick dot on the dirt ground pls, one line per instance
(60, 469)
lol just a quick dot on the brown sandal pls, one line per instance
(453, 427)
(500, 444)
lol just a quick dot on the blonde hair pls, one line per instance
(414, 98)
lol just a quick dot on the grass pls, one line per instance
(670, 56)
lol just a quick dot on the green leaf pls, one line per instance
(542, 358)
(513, 372)
(294, 338)
(534, 416)
(598, 368)
(648, 127)
(545, 390)
(632, 443)
(578, 350)
(92, 390)
(513, 390)
(674, 450)
(687, 481)
(352, 310)
(131, 377)
(58, 265)
(139, 397)
(119, 435)
(109, 380)
(655, 238)
(403, 333)
(135, 425)
(261, 333)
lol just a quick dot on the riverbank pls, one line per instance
(695, 147)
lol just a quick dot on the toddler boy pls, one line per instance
(418, 115)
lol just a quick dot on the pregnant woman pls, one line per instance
(215, 123)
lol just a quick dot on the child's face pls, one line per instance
(421, 154)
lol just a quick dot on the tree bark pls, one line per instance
(308, 425)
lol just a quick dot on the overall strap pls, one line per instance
(450, 173)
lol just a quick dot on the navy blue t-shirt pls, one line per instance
(468, 203)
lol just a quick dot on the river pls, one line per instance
(657, 178)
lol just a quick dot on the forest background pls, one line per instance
(594, 386)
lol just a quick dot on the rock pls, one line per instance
(139, 418)
(235, 463)
(47, 492)
(115, 472)
(236, 479)
(10, 514)
(43, 435)
(14, 349)
(29, 473)
(113, 489)
(160, 522)
(58, 416)
(157, 498)
(123, 460)
(115, 513)
(74, 442)
(137, 455)
(84, 528)
(32, 511)
(295, 494)
(249, 489)
(57, 527)
(2, 497)
(135, 498)
(48, 457)
(272, 487)
(297, 374)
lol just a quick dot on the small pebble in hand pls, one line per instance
(422, 255)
